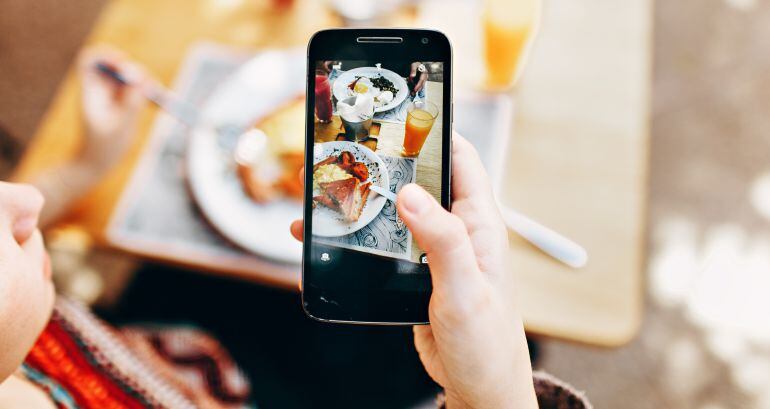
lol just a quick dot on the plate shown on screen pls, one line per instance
(342, 91)
(330, 223)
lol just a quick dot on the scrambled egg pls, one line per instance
(328, 173)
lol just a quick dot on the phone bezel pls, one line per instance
(369, 301)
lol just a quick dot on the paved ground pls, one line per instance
(706, 341)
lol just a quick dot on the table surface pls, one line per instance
(578, 163)
(577, 160)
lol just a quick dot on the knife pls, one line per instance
(386, 193)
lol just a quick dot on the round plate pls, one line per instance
(330, 223)
(242, 100)
(341, 90)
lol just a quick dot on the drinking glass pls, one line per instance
(357, 130)
(323, 98)
(419, 120)
(509, 27)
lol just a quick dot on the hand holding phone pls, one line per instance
(475, 346)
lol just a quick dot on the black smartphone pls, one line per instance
(379, 116)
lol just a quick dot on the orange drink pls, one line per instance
(508, 28)
(419, 121)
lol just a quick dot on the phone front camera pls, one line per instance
(425, 40)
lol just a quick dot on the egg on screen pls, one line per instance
(385, 97)
(363, 86)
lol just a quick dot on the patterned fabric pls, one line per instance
(83, 363)
(553, 393)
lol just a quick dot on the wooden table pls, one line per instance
(578, 162)
(577, 159)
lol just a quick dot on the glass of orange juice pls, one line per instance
(509, 26)
(419, 121)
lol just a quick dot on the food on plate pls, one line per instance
(329, 173)
(347, 196)
(384, 84)
(342, 184)
(381, 89)
(270, 156)
(385, 97)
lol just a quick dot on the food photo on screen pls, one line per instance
(377, 128)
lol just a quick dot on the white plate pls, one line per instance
(269, 80)
(330, 223)
(341, 90)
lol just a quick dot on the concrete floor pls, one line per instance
(705, 342)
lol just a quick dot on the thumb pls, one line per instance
(444, 238)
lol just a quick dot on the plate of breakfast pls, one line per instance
(343, 174)
(246, 183)
(387, 89)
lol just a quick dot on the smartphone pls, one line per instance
(379, 116)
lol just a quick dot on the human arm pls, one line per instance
(418, 74)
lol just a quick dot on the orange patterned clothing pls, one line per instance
(83, 363)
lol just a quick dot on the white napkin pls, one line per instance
(361, 110)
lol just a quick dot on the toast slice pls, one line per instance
(359, 201)
(326, 201)
(348, 196)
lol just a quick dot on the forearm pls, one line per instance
(62, 186)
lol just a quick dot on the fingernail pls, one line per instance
(23, 228)
(416, 200)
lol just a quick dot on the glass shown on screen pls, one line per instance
(323, 102)
(419, 122)
(384, 132)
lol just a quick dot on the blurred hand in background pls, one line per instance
(110, 109)
(110, 112)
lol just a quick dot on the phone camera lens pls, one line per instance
(425, 40)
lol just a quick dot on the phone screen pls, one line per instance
(378, 125)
